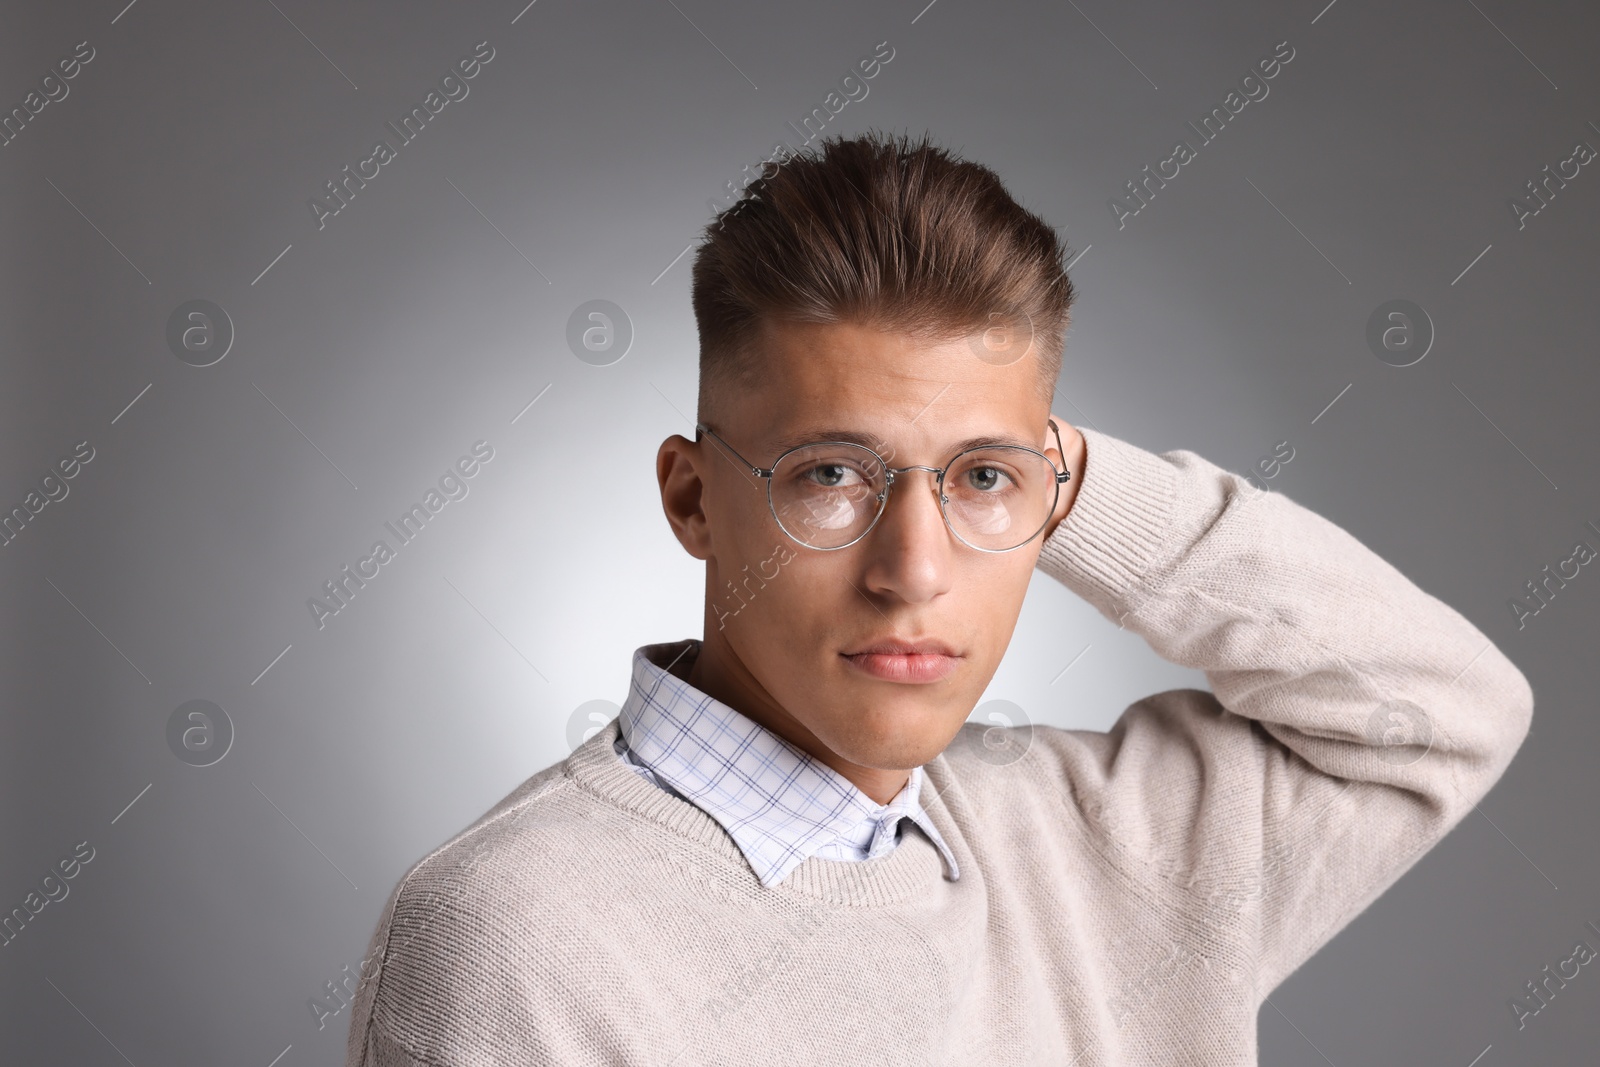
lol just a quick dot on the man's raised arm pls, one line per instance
(1356, 718)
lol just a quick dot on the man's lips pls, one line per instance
(904, 661)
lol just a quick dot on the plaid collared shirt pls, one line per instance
(779, 803)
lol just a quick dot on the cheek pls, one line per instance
(994, 601)
(748, 540)
(765, 586)
(997, 584)
(792, 598)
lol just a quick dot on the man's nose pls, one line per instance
(911, 545)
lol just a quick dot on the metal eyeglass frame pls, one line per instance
(888, 485)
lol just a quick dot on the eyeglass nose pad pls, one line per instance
(938, 483)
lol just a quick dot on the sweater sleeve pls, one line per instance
(359, 1037)
(1354, 718)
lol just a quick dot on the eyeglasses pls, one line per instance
(827, 496)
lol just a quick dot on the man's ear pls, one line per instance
(683, 494)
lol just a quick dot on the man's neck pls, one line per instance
(719, 673)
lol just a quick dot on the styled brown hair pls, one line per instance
(882, 232)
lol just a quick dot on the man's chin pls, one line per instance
(895, 736)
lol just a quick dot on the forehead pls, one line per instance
(886, 384)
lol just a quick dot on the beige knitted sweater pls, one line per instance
(1127, 897)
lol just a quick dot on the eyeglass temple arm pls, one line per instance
(755, 470)
(1061, 475)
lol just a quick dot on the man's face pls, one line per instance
(779, 639)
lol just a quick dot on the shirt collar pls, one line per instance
(779, 803)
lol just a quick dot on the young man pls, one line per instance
(789, 849)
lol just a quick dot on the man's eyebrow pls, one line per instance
(878, 444)
(813, 437)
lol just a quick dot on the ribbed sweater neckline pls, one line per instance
(914, 867)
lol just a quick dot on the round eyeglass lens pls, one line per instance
(827, 495)
(998, 498)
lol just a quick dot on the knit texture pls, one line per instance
(1126, 897)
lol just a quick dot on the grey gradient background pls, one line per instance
(370, 354)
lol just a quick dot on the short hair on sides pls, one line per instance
(880, 231)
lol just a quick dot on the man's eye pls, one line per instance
(833, 475)
(988, 479)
